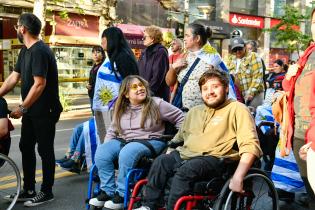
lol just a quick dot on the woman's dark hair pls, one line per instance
(282, 64)
(116, 43)
(99, 49)
(279, 62)
(31, 23)
(203, 32)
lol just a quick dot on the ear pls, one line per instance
(227, 89)
(198, 39)
(127, 95)
(23, 29)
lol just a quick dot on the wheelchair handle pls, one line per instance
(266, 123)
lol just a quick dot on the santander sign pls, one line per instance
(246, 20)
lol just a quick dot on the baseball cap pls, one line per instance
(237, 42)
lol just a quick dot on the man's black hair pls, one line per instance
(31, 22)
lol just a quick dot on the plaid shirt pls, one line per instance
(249, 75)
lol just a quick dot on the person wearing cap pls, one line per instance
(247, 69)
(40, 109)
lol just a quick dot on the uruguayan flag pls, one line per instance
(106, 86)
(264, 113)
(91, 141)
(285, 173)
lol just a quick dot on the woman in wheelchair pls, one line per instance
(138, 121)
(209, 132)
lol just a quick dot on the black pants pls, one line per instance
(184, 174)
(297, 144)
(40, 130)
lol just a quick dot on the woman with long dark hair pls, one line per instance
(120, 63)
(138, 117)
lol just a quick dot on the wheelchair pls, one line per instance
(139, 172)
(10, 179)
(214, 194)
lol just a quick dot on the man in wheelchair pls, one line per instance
(208, 132)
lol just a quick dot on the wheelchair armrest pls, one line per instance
(167, 137)
(266, 123)
(175, 144)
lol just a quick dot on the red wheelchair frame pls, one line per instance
(192, 201)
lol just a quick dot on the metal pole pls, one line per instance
(186, 14)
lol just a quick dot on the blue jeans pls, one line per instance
(77, 141)
(128, 156)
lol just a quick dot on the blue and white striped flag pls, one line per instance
(285, 174)
(264, 113)
(91, 141)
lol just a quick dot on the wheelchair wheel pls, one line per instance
(10, 182)
(260, 194)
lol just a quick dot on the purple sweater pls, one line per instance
(131, 120)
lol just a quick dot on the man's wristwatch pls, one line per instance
(23, 109)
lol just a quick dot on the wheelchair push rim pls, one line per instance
(10, 181)
(251, 198)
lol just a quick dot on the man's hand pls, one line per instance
(236, 184)
(89, 87)
(179, 64)
(248, 99)
(16, 113)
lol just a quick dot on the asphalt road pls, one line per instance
(70, 189)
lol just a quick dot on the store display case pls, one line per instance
(73, 62)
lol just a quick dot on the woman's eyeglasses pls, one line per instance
(135, 86)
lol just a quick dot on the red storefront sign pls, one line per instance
(274, 22)
(77, 25)
(246, 20)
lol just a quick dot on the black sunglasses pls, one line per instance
(237, 49)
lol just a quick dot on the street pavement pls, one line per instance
(70, 189)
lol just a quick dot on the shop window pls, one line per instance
(245, 6)
(73, 62)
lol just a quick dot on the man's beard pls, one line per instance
(20, 38)
(218, 103)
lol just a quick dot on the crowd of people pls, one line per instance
(209, 100)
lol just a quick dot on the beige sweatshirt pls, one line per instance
(208, 131)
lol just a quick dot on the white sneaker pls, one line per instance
(99, 200)
(143, 208)
(116, 203)
(95, 202)
(113, 206)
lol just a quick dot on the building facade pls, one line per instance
(72, 39)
